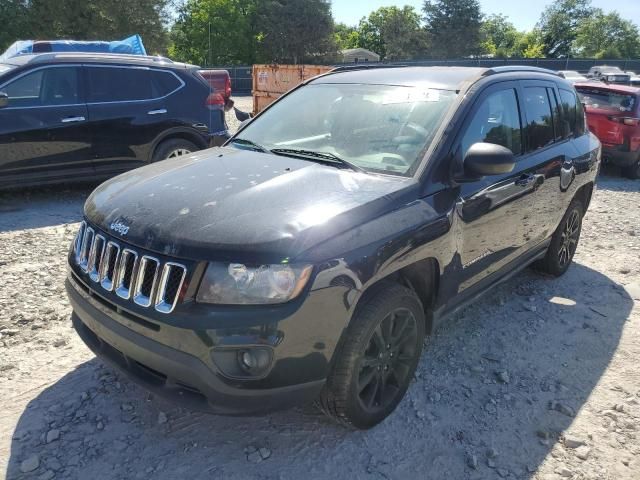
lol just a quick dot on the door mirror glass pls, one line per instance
(4, 100)
(484, 159)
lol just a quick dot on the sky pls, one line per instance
(522, 13)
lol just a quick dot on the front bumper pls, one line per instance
(619, 155)
(171, 373)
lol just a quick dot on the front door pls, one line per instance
(495, 213)
(43, 131)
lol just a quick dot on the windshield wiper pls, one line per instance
(254, 146)
(324, 157)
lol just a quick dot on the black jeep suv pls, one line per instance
(309, 257)
(76, 116)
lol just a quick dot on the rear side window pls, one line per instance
(46, 87)
(164, 83)
(569, 106)
(496, 121)
(118, 84)
(539, 130)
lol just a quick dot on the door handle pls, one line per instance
(73, 119)
(157, 112)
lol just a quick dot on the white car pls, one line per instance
(572, 75)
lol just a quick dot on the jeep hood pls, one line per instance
(240, 205)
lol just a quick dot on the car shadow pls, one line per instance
(508, 373)
(42, 207)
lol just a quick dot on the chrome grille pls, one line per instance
(144, 279)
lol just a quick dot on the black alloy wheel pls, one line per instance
(386, 364)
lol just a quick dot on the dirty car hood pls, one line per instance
(238, 204)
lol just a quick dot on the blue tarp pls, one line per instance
(132, 46)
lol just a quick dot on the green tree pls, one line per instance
(295, 31)
(85, 20)
(499, 36)
(607, 36)
(393, 33)
(13, 18)
(454, 27)
(529, 45)
(559, 25)
(215, 32)
(346, 36)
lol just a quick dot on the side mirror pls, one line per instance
(484, 159)
(4, 100)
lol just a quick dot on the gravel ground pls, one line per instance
(538, 380)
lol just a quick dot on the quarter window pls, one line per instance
(46, 87)
(569, 111)
(497, 121)
(539, 130)
(109, 84)
(164, 83)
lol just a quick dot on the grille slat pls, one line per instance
(121, 270)
(146, 281)
(95, 257)
(108, 266)
(171, 282)
(127, 266)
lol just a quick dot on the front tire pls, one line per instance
(564, 242)
(377, 359)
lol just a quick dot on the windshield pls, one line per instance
(377, 128)
(603, 100)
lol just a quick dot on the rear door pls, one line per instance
(43, 130)
(128, 110)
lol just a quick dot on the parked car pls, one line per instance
(220, 83)
(609, 74)
(572, 76)
(309, 257)
(77, 116)
(634, 79)
(613, 114)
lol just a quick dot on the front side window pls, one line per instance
(118, 84)
(497, 121)
(46, 87)
(379, 128)
(539, 128)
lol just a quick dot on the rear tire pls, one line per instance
(376, 361)
(173, 148)
(633, 172)
(564, 242)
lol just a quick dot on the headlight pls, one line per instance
(238, 284)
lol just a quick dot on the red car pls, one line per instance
(613, 115)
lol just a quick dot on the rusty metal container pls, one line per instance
(271, 81)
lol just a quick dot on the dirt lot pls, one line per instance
(539, 380)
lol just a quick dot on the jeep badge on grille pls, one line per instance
(119, 227)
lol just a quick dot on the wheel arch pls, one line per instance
(584, 194)
(422, 277)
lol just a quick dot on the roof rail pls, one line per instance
(518, 68)
(44, 57)
(363, 66)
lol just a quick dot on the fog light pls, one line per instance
(253, 360)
